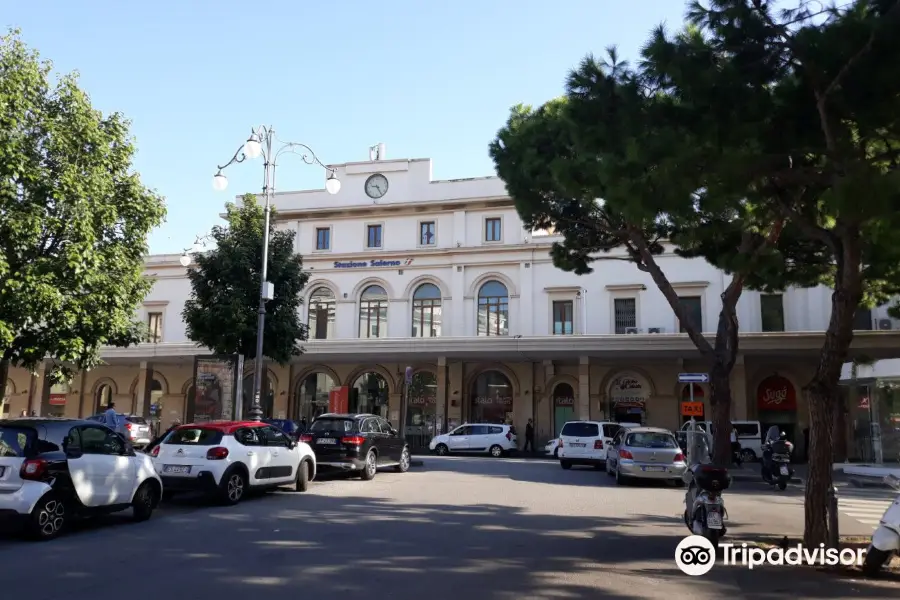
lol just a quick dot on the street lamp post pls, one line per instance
(261, 142)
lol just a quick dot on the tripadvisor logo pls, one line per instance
(695, 555)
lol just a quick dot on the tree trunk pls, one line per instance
(720, 399)
(839, 430)
(4, 375)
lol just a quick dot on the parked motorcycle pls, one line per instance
(776, 467)
(886, 539)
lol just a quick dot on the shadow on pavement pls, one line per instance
(358, 547)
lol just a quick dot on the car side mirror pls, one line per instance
(394, 432)
(292, 444)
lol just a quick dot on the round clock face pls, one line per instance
(376, 186)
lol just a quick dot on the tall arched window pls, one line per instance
(426, 311)
(491, 398)
(369, 394)
(321, 314)
(373, 303)
(493, 309)
(311, 396)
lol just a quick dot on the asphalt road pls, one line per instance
(461, 529)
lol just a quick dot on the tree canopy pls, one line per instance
(222, 312)
(74, 221)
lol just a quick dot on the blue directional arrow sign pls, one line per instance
(693, 378)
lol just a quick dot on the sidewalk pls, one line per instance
(751, 472)
(868, 474)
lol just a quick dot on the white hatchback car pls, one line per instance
(227, 458)
(496, 440)
(585, 442)
(54, 470)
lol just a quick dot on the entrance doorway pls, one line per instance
(563, 406)
(421, 410)
(369, 394)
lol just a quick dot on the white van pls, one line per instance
(750, 436)
(585, 442)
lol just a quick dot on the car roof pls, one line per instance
(649, 430)
(344, 416)
(226, 427)
(32, 421)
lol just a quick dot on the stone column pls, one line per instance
(142, 392)
(442, 399)
(525, 408)
(584, 388)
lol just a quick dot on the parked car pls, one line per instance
(645, 453)
(551, 448)
(750, 435)
(54, 470)
(361, 443)
(476, 438)
(138, 429)
(226, 459)
(585, 442)
(292, 428)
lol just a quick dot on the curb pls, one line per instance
(751, 477)
(416, 463)
(861, 482)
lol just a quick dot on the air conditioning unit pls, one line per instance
(657, 330)
(632, 330)
(885, 324)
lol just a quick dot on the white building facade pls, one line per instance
(441, 276)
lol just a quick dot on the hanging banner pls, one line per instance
(215, 389)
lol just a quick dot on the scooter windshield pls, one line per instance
(773, 434)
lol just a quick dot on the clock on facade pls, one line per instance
(376, 186)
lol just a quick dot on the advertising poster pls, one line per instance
(215, 389)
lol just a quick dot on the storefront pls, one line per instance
(369, 394)
(56, 401)
(627, 396)
(421, 409)
(873, 403)
(563, 406)
(776, 404)
(491, 399)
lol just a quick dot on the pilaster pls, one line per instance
(442, 398)
(142, 391)
(584, 387)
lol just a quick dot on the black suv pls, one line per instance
(360, 443)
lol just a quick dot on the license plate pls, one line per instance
(176, 469)
(654, 469)
(578, 445)
(784, 470)
(326, 441)
(714, 520)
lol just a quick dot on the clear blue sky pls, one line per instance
(429, 79)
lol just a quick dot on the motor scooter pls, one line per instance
(704, 506)
(776, 467)
(886, 539)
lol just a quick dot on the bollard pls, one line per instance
(834, 535)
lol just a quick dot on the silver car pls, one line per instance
(645, 453)
(137, 428)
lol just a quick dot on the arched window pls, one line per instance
(426, 311)
(321, 314)
(369, 394)
(373, 303)
(102, 398)
(311, 396)
(493, 309)
(491, 399)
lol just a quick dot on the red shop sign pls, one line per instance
(776, 393)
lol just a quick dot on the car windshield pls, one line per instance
(580, 430)
(136, 420)
(330, 424)
(650, 440)
(14, 441)
(194, 436)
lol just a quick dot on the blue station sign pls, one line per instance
(374, 263)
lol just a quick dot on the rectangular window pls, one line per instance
(323, 238)
(771, 308)
(154, 325)
(493, 229)
(624, 314)
(426, 233)
(693, 305)
(563, 317)
(373, 236)
(862, 319)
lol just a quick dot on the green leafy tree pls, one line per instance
(74, 220)
(612, 166)
(804, 104)
(222, 312)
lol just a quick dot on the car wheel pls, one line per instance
(748, 455)
(496, 451)
(48, 519)
(371, 467)
(565, 464)
(609, 470)
(143, 501)
(620, 479)
(403, 467)
(556, 453)
(233, 488)
(442, 450)
(302, 483)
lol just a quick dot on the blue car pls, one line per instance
(292, 428)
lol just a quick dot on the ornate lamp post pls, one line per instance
(262, 142)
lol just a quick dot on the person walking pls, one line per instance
(110, 417)
(529, 437)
